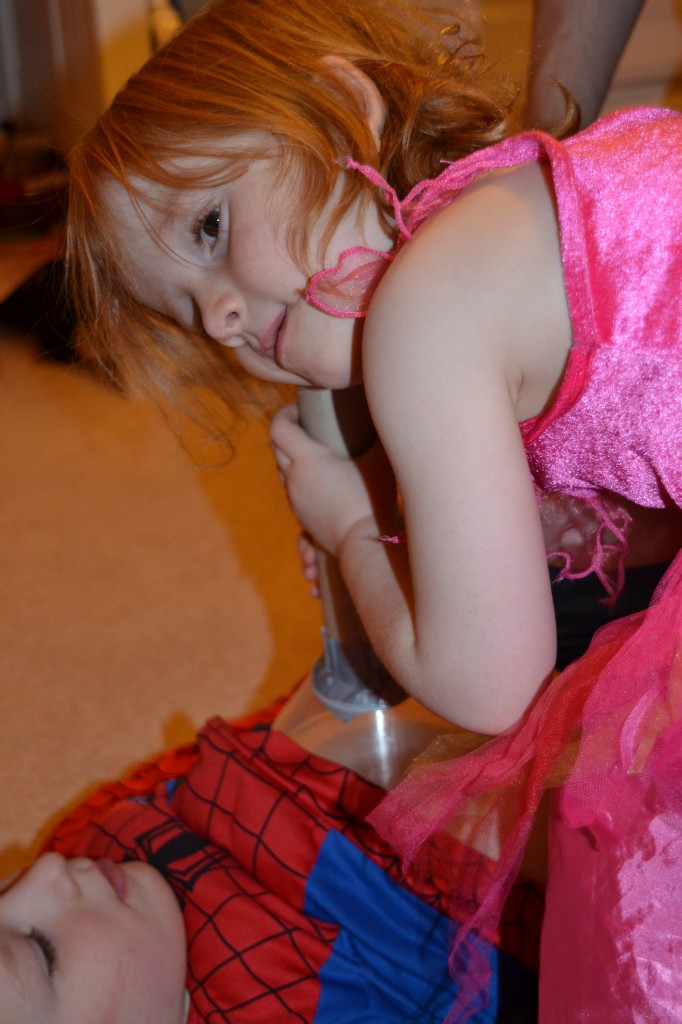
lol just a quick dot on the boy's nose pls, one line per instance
(52, 873)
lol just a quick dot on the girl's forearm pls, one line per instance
(463, 672)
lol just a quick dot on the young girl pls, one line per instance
(256, 193)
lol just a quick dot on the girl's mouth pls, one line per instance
(279, 337)
(271, 339)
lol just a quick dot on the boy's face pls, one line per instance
(89, 942)
(215, 260)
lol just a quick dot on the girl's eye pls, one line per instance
(207, 228)
(46, 947)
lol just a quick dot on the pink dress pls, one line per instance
(606, 736)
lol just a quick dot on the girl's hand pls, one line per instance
(331, 494)
(308, 554)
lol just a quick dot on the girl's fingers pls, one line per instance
(308, 555)
(289, 441)
(307, 552)
(279, 437)
(288, 436)
(288, 412)
(283, 462)
(305, 545)
(282, 423)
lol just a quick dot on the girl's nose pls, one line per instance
(221, 316)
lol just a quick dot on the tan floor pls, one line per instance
(138, 595)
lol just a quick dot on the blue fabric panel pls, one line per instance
(389, 962)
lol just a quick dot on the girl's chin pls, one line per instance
(330, 383)
(333, 378)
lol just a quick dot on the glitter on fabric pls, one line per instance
(618, 192)
(605, 736)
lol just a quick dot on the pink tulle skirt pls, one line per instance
(605, 739)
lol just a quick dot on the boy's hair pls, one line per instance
(253, 67)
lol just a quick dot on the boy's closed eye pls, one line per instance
(46, 948)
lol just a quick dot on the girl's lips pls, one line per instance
(115, 877)
(271, 337)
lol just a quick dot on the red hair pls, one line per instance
(257, 66)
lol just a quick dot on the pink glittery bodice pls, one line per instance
(605, 737)
(616, 422)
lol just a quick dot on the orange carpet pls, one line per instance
(138, 595)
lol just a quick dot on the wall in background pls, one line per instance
(50, 56)
(61, 62)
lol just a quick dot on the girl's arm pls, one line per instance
(467, 334)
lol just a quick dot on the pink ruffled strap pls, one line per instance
(346, 290)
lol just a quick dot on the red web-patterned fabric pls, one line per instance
(237, 838)
(237, 841)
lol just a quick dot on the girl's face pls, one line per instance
(215, 259)
(90, 942)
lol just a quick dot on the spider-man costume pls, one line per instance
(294, 907)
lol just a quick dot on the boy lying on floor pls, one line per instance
(293, 907)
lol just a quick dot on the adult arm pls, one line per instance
(578, 44)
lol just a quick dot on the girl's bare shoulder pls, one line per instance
(482, 280)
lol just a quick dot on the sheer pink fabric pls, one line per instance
(605, 737)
